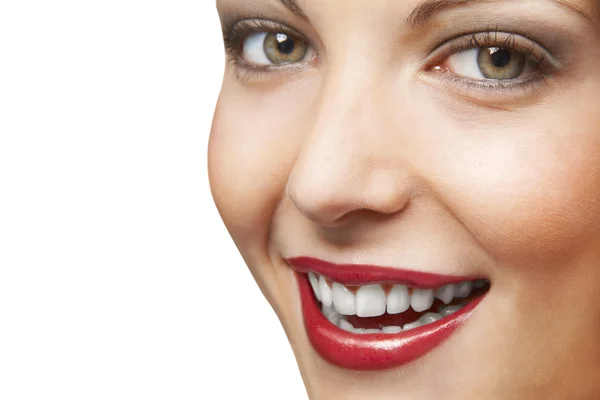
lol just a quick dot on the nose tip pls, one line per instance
(327, 199)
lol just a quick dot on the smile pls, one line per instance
(370, 317)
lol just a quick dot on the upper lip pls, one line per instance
(358, 274)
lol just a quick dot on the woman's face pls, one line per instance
(418, 157)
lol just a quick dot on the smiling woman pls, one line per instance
(415, 187)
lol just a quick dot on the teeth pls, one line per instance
(444, 312)
(335, 319)
(424, 320)
(345, 325)
(333, 316)
(421, 299)
(412, 325)
(429, 318)
(480, 283)
(445, 293)
(326, 296)
(463, 289)
(370, 301)
(391, 329)
(398, 300)
(344, 300)
(328, 311)
(372, 331)
(314, 282)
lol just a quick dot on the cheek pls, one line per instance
(253, 145)
(532, 196)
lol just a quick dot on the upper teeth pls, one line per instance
(421, 299)
(463, 289)
(398, 300)
(325, 292)
(371, 300)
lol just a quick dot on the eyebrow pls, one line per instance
(424, 12)
(428, 9)
(295, 8)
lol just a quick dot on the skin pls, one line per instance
(366, 155)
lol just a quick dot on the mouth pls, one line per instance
(370, 318)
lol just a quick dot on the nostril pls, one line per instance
(327, 203)
(320, 206)
(327, 185)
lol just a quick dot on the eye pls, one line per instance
(497, 63)
(274, 48)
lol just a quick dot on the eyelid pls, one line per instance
(236, 34)
(492, 93)
(512, 41)
(234, 37)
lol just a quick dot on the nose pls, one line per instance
(349, 160)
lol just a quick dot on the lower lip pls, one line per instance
(373, 351)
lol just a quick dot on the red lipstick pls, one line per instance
(354, 274)
(372, 351)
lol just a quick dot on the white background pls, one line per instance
(117, 277)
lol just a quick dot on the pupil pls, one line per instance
(500, 58)
(285, 44)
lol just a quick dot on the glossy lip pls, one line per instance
(355, 274)
(376, 351)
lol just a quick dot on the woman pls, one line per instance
(415, 186)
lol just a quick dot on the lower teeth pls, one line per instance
(340, 320)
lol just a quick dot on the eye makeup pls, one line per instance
(434, 48)
(236, 34)
(541, 65)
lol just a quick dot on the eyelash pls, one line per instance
(235, 35)
(494, 37)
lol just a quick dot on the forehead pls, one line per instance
(302, 8)
(333, 14)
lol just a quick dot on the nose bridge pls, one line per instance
(346, 119)
(343, 164)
